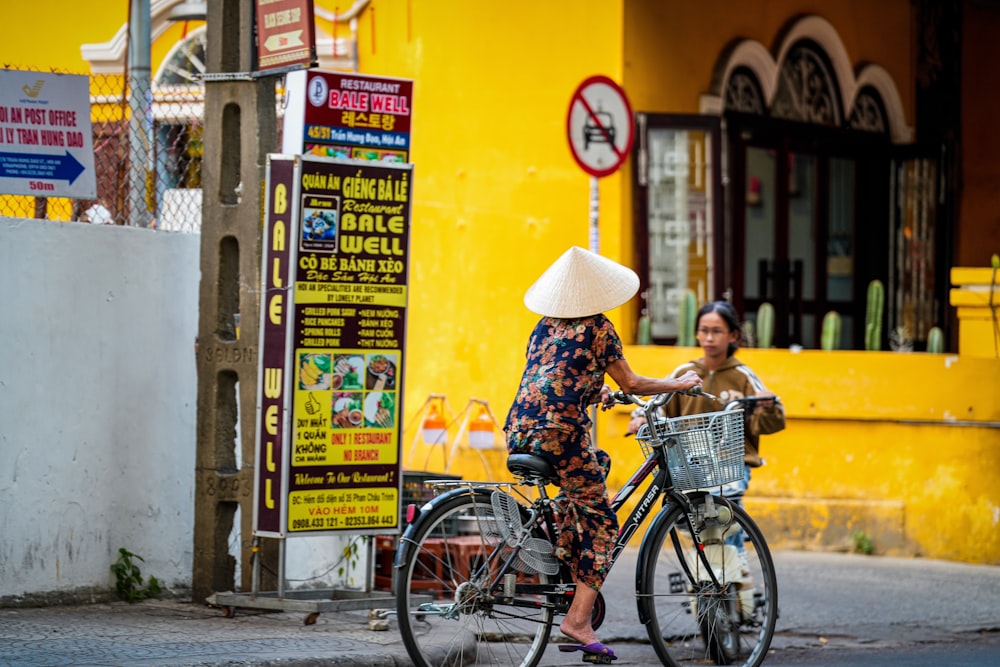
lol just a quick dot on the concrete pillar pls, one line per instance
(240, 129)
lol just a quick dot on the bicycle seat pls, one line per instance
(531, 467)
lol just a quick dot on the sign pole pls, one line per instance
(595, 247)
(595, 208)
(600, 132)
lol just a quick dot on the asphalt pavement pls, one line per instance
(826, 601)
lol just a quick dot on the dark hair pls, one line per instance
(725, 310)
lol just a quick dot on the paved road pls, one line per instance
(856, 600)
(835, 610)
(974, 651)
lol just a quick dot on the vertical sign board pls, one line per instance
(280, 212)
(345, 115)
(46, 143)
(345, 310)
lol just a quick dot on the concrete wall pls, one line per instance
(97, 404)
(98, 398)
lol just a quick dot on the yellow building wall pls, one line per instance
(672, 48)
(497, 193)
(47, 35)
(904, 447)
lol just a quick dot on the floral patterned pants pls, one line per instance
(587, 526)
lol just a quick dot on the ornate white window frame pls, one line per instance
(754, 56)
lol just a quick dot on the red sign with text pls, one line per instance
(286, 35)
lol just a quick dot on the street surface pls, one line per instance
(846, 610)
(979, 651)
(837, 610)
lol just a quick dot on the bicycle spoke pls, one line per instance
(451, 605)
(719, 608)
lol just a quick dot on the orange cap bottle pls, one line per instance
(481, 430)
(434, 428)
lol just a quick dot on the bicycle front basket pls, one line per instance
(705, 450)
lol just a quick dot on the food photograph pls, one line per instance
(347, 410)
(381, 372)
(380, 409)
(348, 370)
(314, 371)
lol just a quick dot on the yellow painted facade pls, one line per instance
(901, 447)
(904, 447)
(975, 298)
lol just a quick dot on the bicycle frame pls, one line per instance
(683, 567)
(660, 486)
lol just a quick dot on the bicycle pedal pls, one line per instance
(599, 659)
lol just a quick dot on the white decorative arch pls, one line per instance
(109, 57)
(821, 31)
(199, 33)
(878, 78)
(340, 53)
(754, 56)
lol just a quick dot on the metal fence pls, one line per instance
(147, 158)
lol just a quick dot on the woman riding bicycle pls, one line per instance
(568, 353)
(717, 328)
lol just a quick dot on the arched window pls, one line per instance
(808, 79)
(744, 93)
(868, 112)
(807, 88)
(185, 63)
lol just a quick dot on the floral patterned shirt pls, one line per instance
(564, 373)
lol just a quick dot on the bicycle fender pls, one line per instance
(427, 510)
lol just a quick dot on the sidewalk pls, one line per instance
(825, 599)
(182, 633)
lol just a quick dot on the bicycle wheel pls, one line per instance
(457, 597)
(691, 619)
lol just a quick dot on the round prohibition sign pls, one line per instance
(599, 126)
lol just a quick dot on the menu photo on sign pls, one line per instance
(347, 346)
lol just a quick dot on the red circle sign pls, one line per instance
(599, 126)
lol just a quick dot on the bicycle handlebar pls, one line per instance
(659, 399)
(697, 391)
(750, 401)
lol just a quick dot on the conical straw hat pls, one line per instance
(581, 283)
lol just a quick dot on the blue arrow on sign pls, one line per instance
(30, 165)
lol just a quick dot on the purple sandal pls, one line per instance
(597, 648)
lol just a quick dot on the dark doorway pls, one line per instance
(809, 226)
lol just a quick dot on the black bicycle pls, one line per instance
(477, 583)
